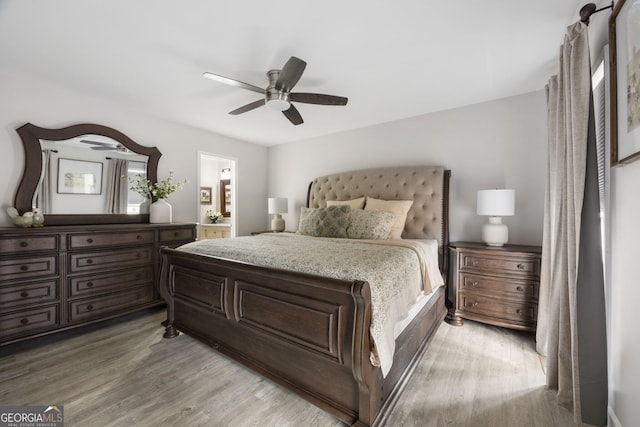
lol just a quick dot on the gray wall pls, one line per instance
(28, 100)
(498, 144)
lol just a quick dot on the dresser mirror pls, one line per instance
(81, 175)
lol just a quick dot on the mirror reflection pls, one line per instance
(89, 174)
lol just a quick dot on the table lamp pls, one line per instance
(495, 204)
(277, 206)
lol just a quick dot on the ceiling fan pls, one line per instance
(278, 93)
(106, 146)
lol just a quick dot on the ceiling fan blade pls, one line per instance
(293, 115)
(232, 82)
(248, 107)
(290, 74)
(318, 98)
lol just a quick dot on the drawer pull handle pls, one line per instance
(474, 304)
(89, 284)
(24, 321)
(176, 234)
(475, 262)
(24, 267)
(24, 244)
(138, 237)
(519, 311)
(24, 294)
(474, 284)
(89, 307)
(89, 261)
(89, 240)
(520, 266)
(519, 289)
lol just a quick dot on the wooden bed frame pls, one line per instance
(306, 332)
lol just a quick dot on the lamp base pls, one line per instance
(495, 233)
(277, 223)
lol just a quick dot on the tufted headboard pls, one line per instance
(427, 186)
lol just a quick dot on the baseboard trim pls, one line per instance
(613, 420)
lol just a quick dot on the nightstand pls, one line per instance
(215, 231)
(494, 285)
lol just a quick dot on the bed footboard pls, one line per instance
(307, 333)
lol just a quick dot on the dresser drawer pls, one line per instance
(97, 307)
(87, 261)
(501, 264)
(26, 268)
(107, 282)
(177, 234)
(95, 240)
(29, 321)
(31, 293)
(497, 308)
(28, 244)
(490, 286)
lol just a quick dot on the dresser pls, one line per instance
(61, 277)
(494, 285)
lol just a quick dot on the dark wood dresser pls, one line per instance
(495, 285)
(61, 277)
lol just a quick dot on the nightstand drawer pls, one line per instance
(214, 233)
(505, 264)
(499, 309)
(490, 286)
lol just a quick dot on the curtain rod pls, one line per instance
(589, 9)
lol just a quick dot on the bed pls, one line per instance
(314, 333)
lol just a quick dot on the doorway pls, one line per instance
(216, 194)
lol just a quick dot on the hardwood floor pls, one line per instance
(122, 373)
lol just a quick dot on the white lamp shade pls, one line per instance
(496, 202)
(278, 205)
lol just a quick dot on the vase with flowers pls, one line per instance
(214, 216)
(160, 211)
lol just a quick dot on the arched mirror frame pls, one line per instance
(31, 136)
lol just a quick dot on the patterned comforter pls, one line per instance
(398, 271)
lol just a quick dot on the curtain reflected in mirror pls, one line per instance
(68, 165)
(117, 186)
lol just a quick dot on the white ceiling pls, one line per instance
(392, 59)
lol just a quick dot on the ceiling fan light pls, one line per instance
(278, 104)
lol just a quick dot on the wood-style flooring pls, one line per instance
(122, 373)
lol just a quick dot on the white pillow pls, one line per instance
(398, 207)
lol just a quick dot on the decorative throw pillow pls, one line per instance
(370, 224)
(399, 207)
(331, 221)
(353, 203)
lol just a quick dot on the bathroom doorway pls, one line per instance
(216, 195)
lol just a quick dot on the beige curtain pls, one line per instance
(117, 186)
(571, 318)
(43, 191)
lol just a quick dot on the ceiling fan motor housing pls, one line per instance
(274, 98)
